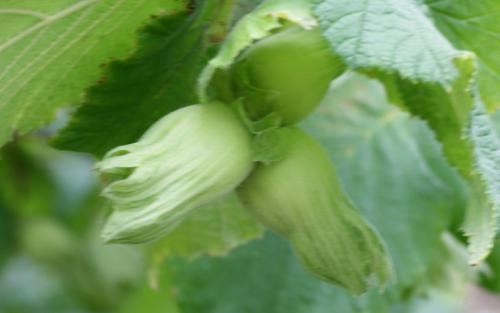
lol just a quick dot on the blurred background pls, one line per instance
(52, 259)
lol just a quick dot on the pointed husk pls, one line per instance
(300, 198)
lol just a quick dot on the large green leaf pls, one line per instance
(264, 276)
(491, 279)
(392, 168)
(389, 35)
(426, 75)
(51, 50)
(157, 79)
(460, 122)
(473, 26)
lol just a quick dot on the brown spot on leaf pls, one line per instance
(101, 80)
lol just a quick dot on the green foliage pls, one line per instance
(421, 173)
(171, 51)
(134, 93)
(287, 287)
(26, 286)
(393, 170)
(392, 37)
(427, 76)
(473, 26)
(38, 180)
(5, 234)
(490, 279)
(51, 239)
(150, 301)
(49, 52)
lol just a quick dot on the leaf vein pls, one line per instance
(47, 21)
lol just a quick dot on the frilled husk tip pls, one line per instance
(185, 160)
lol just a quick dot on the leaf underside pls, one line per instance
(397, 43)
